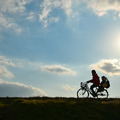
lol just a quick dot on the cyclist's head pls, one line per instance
(93, 72)
(103, 77)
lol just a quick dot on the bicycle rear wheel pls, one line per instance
(82, 93)
(103, 94)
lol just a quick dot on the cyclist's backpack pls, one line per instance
(108, 84)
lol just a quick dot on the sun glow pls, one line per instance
(115, 40)
(117, 43)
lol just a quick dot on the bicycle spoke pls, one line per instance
(103, 94)
(82, 93)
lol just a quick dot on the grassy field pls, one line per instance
(59, 109)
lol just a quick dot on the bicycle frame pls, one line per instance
(85, 86)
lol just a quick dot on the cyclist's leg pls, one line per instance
(92, 89)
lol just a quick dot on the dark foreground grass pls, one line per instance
(59, 109)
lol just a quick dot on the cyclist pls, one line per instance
(103, 84)
(96, 82)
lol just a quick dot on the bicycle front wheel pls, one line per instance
(82, 93)
(103, 94)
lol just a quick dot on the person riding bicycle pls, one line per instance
(95, 80)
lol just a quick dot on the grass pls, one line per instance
(59, 109)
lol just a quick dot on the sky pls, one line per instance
(47, 47)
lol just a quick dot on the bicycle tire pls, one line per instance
(82, 93)
(103, 94)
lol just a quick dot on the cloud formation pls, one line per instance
(47, 7)
(6, 61)
(58, 69)
(9, 23)
(31, 16)
(4, 72)
(110, 67)
(19, 90)
(68, 88)
(13, 6)
(16, 89)
(101, 7)
(9, 8)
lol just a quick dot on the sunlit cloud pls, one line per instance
(58, 69)
(8, 23)
(31, 16)
(7, 62)
(47, 7)
(68, 88)
(4, 72)
(101, 7)
(13, 6)
(9, 8)
(15, 89)
(110, 67)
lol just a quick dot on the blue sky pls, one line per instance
(47, 47)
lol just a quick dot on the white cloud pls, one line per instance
(66, 5)
(6, 61)
(110, 66)
(58, 69)
(101, 7)
(8, 23)
(68, 88)
(31, 16)
(4, 72)
(18, 63)
(16, 89)
(9, 8)
(13, 6)
(48, 5)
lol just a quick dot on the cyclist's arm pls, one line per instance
(90, 81)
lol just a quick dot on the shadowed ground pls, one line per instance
(59, 109)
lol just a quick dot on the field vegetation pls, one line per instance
(37, 108)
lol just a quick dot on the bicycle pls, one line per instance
(85, 91)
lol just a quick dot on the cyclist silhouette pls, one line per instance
(95, 80)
